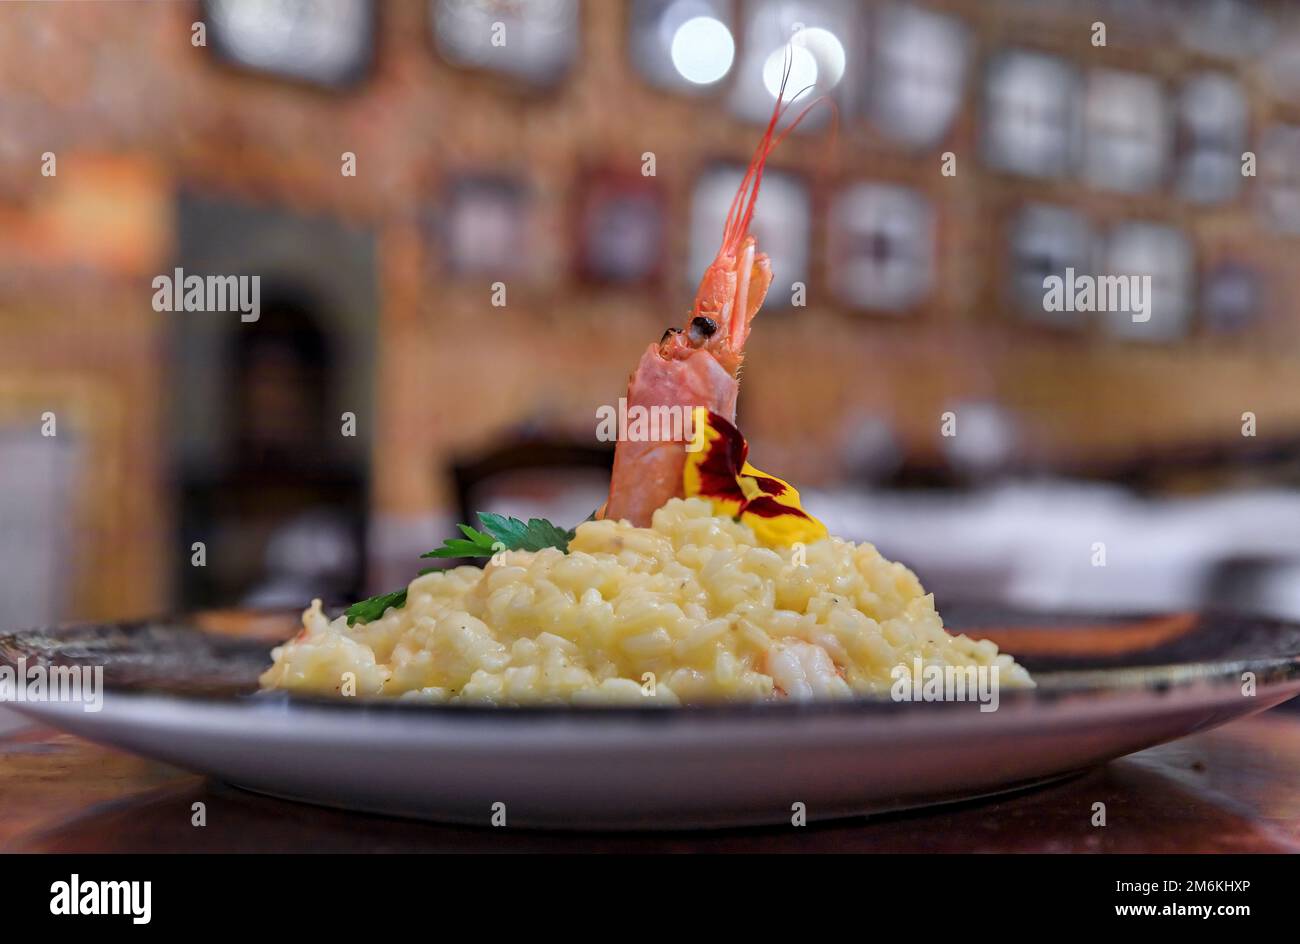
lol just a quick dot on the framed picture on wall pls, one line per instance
(329, 43)
(535, 42)
(880, 247)
(1278, 192)
(918, 74)
(1232, 298)
(620, 229)
(1213, 122)
(486, 226)
(1046, 240)
(1030, 113)
(1128, 131)
(1161, 260)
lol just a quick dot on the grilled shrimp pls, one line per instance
(698, 364)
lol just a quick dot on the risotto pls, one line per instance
(692, 609)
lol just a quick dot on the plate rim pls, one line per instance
(1052, 685)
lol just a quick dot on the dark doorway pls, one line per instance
(271, 418)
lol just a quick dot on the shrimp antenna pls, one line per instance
(741, 212)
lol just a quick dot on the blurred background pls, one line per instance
(574, 160)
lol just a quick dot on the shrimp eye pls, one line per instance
(669, 333)
(702, 328)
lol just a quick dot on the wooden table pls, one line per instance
(1235, 789)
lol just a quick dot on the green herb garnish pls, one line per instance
(375, 607)
(504, 534)
(500, 534)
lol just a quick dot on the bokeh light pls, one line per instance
(703, 50)
(803, 70)
(816, 58)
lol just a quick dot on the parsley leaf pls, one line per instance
(504, 534)
(534, 535)
(500, 534)
(373, 608)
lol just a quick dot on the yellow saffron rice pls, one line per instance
(692, 609)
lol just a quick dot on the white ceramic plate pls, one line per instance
(1107, 687)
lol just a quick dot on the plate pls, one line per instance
(183, 690)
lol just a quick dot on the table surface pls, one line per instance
(1234, 789)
